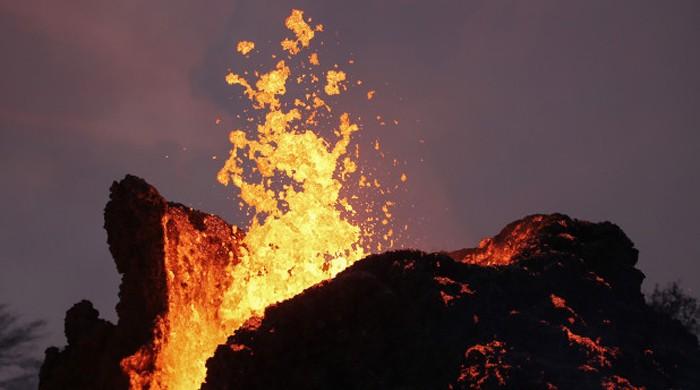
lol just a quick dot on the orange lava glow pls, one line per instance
(197, 263)
(308, 222)
(486, 361)
(616, 382)
(558, 302)
(452, 289)
(245, 47)
(494, 252)
(599, 355)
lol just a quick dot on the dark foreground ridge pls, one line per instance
(550, 302)
(562, 310)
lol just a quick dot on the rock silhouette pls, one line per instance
(549, 302)
(561, 308)
(154, 242)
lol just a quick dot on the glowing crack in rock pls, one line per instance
(484, 362)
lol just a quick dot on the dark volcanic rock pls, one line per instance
(95, 347)
(549, 302)
(91, 359)
(136, 241)
(146, 235)
(562, 309)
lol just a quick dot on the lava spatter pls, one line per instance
(294, 165)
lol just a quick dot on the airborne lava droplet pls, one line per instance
(245, 47)
(333, 82)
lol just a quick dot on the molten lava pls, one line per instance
(197, 263)
(303, 230)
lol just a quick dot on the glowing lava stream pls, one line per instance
(291, 178)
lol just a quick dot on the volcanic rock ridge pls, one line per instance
(550, 302)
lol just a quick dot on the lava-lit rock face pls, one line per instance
(155, 244)
(549, 302)
(561, 308)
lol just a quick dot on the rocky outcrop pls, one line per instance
(155, 243)
(91, 359)
(550, 302)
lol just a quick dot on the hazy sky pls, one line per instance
(590, 108)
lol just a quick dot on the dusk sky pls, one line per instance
(590, 108)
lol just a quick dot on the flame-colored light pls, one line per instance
(245, 47)
(186, 334)
(313, 59)
(293, 179)
(304, 33)
(298, 236)
(334, 78)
